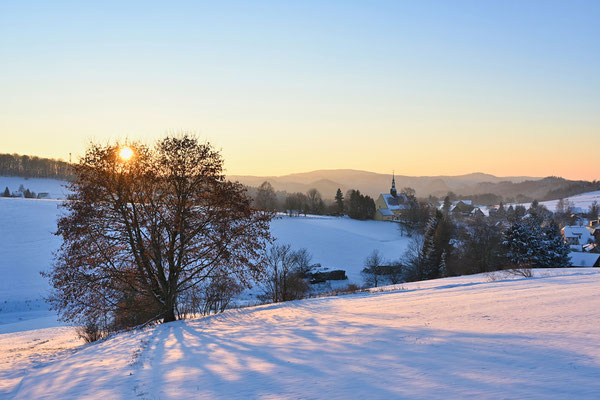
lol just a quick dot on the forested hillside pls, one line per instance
(33, 167)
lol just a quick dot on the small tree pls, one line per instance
(371, 273)
(285, 270)
(6, 192)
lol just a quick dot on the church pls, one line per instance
(390, 206)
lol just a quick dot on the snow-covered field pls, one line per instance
(55, 188)
(456, 337)
(340, 243)
(26, 246)
(583, 201)
(464, 337)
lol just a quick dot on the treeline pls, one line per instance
(33, 167)
(353, 203)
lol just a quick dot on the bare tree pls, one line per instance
(265, 197)
(286, 270)
(315, 202)
(146, 226)
(371, 273)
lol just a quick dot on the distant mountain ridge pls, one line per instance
(372, 183)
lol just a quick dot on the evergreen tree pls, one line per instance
(436, 243)
(339, 201)
(443, 271)
(521, 245)
(501, 212)
(6, 192)
(594, 210)
(555, 252)
(359, 206)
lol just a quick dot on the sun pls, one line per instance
(126, 153)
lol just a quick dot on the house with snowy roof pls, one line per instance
(391, 206)
(464, 208)
(576, 236)
(579, 259)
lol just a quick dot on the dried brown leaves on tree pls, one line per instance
(142, 235)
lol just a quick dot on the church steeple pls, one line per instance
(393, 189)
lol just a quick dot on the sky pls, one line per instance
(417, 87)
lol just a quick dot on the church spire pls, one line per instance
(393, 189)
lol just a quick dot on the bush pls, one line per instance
(286, 271)
(90, 332)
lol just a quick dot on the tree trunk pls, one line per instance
(169, 313)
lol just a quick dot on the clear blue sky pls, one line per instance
(422, 87)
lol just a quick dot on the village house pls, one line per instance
(390, 207)
(577, 236)
(464, 208)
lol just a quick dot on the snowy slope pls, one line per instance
(26, 246)
(464, 337)
(340, 243)
(583, 201)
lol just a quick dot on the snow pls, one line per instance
(23, 352)
(480, 336)
(473, 336)
(582, 201)
(340, 243)
(580, 259)
(581, 233)
(27, 244)
(55, 188)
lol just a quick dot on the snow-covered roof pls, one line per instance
(579, 259)
(395, 203)
(455, 203)
(579, 232)
(386, 212)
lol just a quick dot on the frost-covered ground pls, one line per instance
(464, 337)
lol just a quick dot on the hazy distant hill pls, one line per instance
(371, 183)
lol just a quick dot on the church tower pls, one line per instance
(393, 189)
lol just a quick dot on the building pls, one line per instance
(579, 259)
(390, 207)
(576, 236)
(463, 208)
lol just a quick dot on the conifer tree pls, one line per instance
(555, 251)
(339, 201)
(6, 192)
